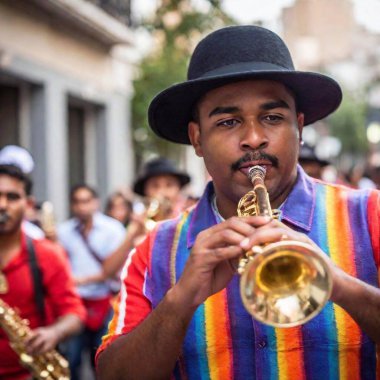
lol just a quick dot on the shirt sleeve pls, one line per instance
(61, 297)
(374, 224)
(117, 236)
(132, 305)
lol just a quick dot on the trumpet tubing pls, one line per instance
(282, 284)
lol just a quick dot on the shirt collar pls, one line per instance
(96, 221)
(202, 216)
(297, 210)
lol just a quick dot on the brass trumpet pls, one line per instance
(283, 284)
(156, 209)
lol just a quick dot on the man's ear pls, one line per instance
(194, 131)
(300, 124)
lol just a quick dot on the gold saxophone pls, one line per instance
(48, 366)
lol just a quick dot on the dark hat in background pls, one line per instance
(308, 154)
(156, 167)
(239, 53)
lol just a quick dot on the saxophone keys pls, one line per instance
(3, 283)
(25, 358)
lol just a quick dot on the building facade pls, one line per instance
(65, 89)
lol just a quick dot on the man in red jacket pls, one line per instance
(34, 279)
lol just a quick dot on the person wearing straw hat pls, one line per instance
(180, 314)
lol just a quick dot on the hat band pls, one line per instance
(244, 67)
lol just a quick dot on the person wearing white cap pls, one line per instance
(20, 157)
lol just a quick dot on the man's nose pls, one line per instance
(3, 202)
(253, 136)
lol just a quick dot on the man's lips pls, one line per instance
(247, 165)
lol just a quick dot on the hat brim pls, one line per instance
(139, 185)
(316, 160)
(169, 113)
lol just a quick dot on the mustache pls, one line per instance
(4, 217)
(255, 156)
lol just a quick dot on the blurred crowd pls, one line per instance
(95, 241)
(359, 175)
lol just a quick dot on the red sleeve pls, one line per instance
(61, 297)
(374, 224)
(132, 305)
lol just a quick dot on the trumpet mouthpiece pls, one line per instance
(256, 171)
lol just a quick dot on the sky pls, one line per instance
(366, 11)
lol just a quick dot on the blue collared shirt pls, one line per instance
(105, 237)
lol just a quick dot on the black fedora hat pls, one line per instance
(239, 53)
(308, 154)
(156, 167)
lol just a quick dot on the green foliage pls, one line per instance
(177, 27)
(348, 124)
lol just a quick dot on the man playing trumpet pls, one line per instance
(180, 314)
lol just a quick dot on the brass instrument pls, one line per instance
(283, 284)
(47, 217)
(48, 366)
(157, 209)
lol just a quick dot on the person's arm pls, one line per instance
(60, 298)
(360, 300)
(151, 349)
(93, 278)
(114, 262)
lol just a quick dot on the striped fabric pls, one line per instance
(223, 341)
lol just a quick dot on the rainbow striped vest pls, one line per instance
(224, 342)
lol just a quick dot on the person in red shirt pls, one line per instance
(50, 304)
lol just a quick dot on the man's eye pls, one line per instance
(13, 196)
(273, 118)
(228, 123)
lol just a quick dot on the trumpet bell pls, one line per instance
(285, 284)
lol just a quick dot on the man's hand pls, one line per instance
(41, 340)
(213, 258)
